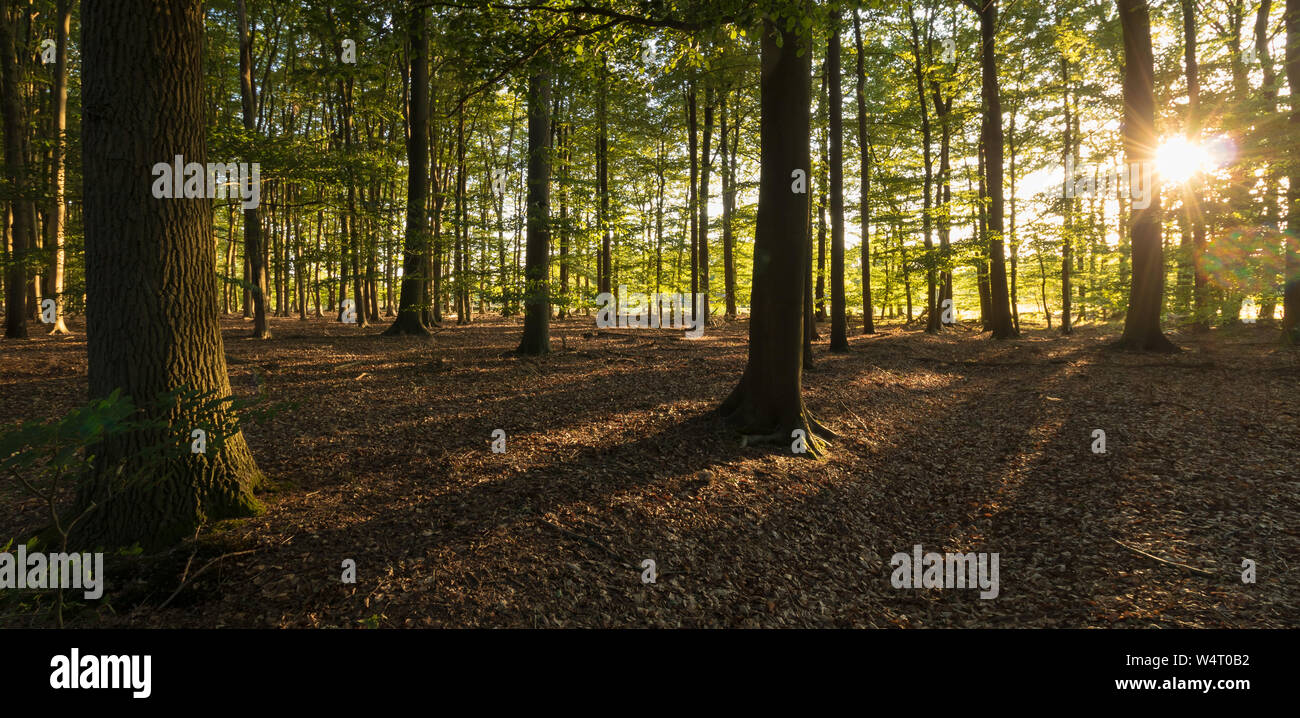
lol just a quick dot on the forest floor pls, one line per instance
(954, 442)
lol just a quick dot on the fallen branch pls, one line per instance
(1193, 569)
(187, 581)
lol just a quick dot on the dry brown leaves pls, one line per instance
(954, 442)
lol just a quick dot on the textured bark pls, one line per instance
(1142, 323)
(409, 314)
(152, 323)
(767, 404)
(537, 271)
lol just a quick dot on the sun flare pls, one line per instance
(1178, 160)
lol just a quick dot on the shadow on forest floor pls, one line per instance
(613, 456)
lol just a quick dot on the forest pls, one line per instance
(650, 313)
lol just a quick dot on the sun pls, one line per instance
(1178, 160)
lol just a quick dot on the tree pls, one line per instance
(1192, 199)
(1291, 296)
(56, 217)
(409, 314)
(931, 316)
(254, 249)
(767, 404)
(14, 118)
(991, 136)
(151, 303)
(1146, 296)
(537, 308)
(864, 149)
(839, 314)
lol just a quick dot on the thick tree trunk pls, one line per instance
(409, 314)
(537, 308)
(767, 404)
(151, 306)
(1142, 324)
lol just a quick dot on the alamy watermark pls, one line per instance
(946, 570)
(650, 311)
(90, 671)
(57, 570)
(1136, 181)
(215, 180)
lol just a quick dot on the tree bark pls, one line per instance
(767, 404)
(152, 324)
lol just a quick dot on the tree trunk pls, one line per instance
(409, 313)
(1067, 220)
(1291, 296)
(931, 316)
(1142, 324)
(253, 245)
(12, 69)
(864, 147)
(58, 211)
(839, 314)
(705, 165)
(767, 404)
(999, 300)
(143, 96)
(537, 308)
(605, 278)
(1193, 197)
(728, 207)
